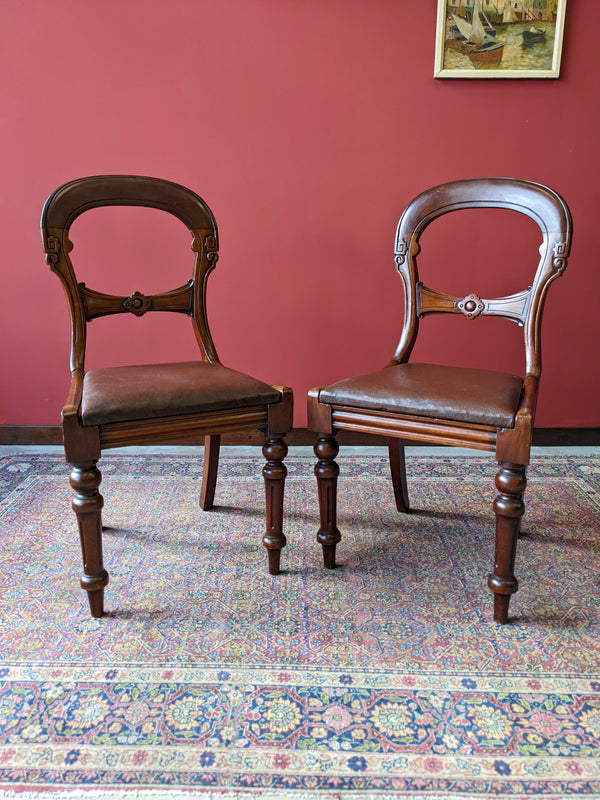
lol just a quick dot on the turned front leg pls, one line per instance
(509, 508)
(274, 472)
(87, 504)
(327, 471)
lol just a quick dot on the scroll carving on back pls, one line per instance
(211, 247)
(560, 257)
(52, 251)
(401, 251)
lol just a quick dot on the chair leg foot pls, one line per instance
(96, 601)
(509, 508)
(327, 471)
(329, 556)
(274, 561)
(87, 504)
(501, 602)
(274, 472)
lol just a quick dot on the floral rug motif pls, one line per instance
(384, 679)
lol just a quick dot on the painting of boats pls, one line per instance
(499, 38)
(476, 38)
(534, 36)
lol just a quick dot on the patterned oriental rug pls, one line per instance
(386, 679)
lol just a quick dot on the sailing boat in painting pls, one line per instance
(477, 36)
(508, 15)
(499, 38)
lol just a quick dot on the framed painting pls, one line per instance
(499, 38)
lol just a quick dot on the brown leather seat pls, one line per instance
(441, 404)
(118, 394)
(480, 396)
(154, 403)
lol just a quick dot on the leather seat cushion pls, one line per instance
(120, 394)
(477, 396)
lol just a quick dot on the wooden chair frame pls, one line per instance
(510, 445)
(84, 444)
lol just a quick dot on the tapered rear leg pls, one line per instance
(212, 445)
(274, 472)
(327, 471)
(398, 470)
(509, 508)
(87, 504)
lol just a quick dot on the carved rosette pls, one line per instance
(471, 305)
(137, 304)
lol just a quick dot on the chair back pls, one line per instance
(541, 204)
(74, 198)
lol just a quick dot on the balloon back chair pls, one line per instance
(445, 405)
(154, 403)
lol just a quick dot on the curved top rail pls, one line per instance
(539, 202)
(71, 199)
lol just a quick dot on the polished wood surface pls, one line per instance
(236, 404)
(367, 404)
(212, 447)
(298, 437)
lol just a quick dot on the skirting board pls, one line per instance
(542, 437)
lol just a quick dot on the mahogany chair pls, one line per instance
(444, 405)
(154, 403)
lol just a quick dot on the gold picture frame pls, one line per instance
(499, 38)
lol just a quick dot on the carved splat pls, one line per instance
(98, 304)
(512, 307)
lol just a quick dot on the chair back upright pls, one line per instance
(76, 197)
(525, 308)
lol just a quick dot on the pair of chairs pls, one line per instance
(404, 401)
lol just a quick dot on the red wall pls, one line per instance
(307, 126)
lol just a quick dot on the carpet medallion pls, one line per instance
(386, 678)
